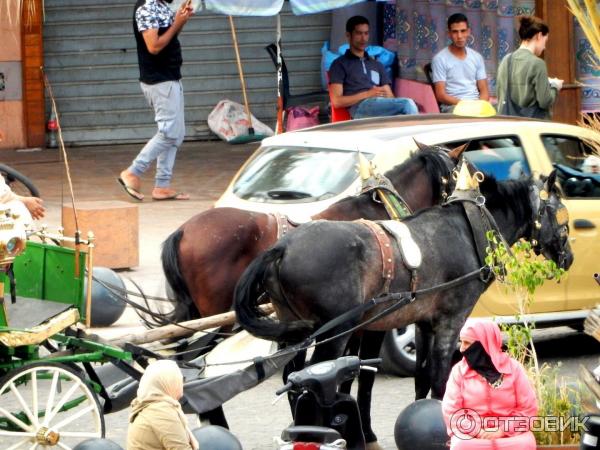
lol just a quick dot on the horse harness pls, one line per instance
(284, 224)
(395, 206)
(409, 250)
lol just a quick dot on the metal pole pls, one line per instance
(90, 266)
(279, 128)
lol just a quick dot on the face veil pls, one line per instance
(481, 362)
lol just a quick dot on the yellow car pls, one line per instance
(303, 172)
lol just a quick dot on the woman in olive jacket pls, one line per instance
(531, 91)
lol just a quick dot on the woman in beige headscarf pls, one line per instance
(157, 421)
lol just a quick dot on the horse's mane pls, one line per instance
(435, 165)
(508, 195)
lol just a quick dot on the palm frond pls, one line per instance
(591, 122)
(587, 14)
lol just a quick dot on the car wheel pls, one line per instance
(399, 352)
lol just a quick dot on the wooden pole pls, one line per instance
(241, 72)
(182, 329)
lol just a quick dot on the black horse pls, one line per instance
(325, 269)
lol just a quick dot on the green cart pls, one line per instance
(50, 394)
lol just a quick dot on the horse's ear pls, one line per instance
(456, 152)
(420, 145)
(550, 181)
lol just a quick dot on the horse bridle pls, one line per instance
(560, 219)
(447, 186)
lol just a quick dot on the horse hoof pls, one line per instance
(374, 446)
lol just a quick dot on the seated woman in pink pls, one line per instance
(489, 399)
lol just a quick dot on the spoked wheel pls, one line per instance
(19, 183)
(47, 405)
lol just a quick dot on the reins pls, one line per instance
(400, 300)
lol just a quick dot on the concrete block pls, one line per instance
(115, 225)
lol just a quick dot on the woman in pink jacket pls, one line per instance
(489, 400)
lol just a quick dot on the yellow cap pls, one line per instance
(474, 108)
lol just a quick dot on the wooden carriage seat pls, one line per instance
(38, 334)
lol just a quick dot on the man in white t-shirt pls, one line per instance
(458, 71)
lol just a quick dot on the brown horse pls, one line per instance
(205, 257)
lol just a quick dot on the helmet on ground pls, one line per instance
(421, 425)
(214, 436)
(107, 288)
(98, 444)
(589, 436)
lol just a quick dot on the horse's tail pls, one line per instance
(183, 302)
(248, 293)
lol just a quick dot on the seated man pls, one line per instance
(361, 83)
(26, 207)
(458, 71)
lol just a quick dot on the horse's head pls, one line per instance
(550, 231)
(441, 162)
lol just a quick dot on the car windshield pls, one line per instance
(297, 174)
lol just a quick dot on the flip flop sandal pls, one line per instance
(133, 193)
(176, 196)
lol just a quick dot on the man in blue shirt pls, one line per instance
(458, 71)
(360, 83)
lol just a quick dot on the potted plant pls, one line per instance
(521, 273)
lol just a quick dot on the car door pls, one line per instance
(581, 188)
(505, 157)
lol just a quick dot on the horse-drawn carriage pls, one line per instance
(533, 212)
(53, 391)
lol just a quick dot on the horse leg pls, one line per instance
(370, 347)
(423, 344)
(445, 339)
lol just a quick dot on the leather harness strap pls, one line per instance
(387, 256)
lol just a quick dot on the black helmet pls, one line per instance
(589, 436)
(216, 437)
(421, 425)
(97, 444)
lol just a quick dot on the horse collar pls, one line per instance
(394, 204)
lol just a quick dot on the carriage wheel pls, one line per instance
(47, 405)
(19, 183)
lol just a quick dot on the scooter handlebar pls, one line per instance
(371, 362)
(289, 385)
(597, 277)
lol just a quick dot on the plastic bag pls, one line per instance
(301, 117)
(228, 120)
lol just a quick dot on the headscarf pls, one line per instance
(162, 382)
(485, 355)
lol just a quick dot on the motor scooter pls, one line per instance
(325, 418)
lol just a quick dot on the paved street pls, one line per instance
(203, 170)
